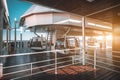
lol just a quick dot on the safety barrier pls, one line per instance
(104, 61)
(52, 64)
(57, 62)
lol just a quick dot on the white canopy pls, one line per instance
(39, 9)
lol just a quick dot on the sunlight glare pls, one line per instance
(109, 37)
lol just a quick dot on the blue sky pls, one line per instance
(16, 9)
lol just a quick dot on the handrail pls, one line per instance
(104, 67)
(108, 68)
(43, 71)
(64, 57)
(43, 66)
(35, 62)
(116, 51)
(109, 64)
(64, 62)
(16, 72)
(31, 74)
(35, 68)
(55, 64)
(106, 57)
(13, 55)
(30, 64)
(104, 63)
(16, 65)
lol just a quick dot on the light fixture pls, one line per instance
(69, 20)
(98, 25)
(90, 0)
(91, 24)
(15, 19)
(118, 14)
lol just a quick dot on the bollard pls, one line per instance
(1, 70)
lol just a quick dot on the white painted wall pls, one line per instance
(41, 19)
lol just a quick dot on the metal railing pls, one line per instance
(103, 61)
(53, 63)
(57, 61)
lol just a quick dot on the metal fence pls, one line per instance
(103, 58)
(58, 60)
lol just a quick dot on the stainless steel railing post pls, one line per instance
(83, 56)
(95, 52)
(73, 59)
(55, 62)
(31, 68)
(83, 39)
(1, 70)
(80, 56)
